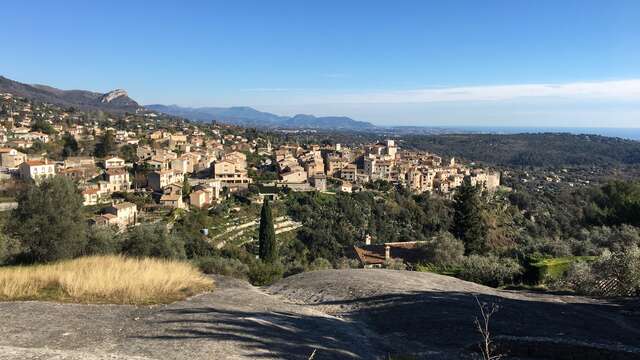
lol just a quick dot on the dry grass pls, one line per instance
(104, 279)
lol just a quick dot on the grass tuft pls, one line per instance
(104, 279)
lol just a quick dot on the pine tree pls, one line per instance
(267, 236)
(468, 223)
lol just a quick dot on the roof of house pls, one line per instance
(116, 171)
(123, 205)
(170, 197)
(37, 162)
(375, 254)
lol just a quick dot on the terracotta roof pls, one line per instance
(37, 162)
(168, 197)
(124, 205)
(116, 171)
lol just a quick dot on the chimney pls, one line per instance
(387, 252)
(367, 239)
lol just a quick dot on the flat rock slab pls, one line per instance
(426, 312)
(342, 314)
(236, 321)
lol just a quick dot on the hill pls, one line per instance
(544, 149)
(250, 117)
(117, 101)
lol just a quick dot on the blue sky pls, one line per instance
(514, 63)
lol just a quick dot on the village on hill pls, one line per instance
(174, 164)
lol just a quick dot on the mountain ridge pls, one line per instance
(250, 117)
(113, 101)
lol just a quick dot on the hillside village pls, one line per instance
(169, 163)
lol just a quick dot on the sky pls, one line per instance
(432, 63)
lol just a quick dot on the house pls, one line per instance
(114, 162)
(125, 212)
(172, 201)
(11, 158)
(91, 196)
(38, 136)
(294, 176)
(346, 187)
(375, 255)
(118, 179)
(204, 197)
(79, 161)
(106, 220)
(158, 180)
(227, 171)
(184, 164)
(319, 182)
(36, 170)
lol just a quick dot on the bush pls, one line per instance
(264, 273)
(102, 241)
(489, 270)
(395, 264)
(613, 274)
(223, 266)
(346, 263)
(320, 264)
(153, 241)
(443, 250)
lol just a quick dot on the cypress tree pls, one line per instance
(468, 224)
(267, 236)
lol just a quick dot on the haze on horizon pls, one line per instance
(494, 63)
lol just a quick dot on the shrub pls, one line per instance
(395, 264)
(613, 274)
(223, 266)
(443, 250)
(320, 264)
(102, 241)
(153, 241)
(346, 263)
(489, 270)
(264, 273)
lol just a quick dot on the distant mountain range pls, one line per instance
(114, 101)
(250, 117)
(118, 101)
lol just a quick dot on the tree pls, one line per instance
(154, 241)
(186, 187)
(107, 145)
(128, 153)
(267, 236)
(70, 145)
(49, 220)
(468, 223)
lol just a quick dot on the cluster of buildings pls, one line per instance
(310, 168)
(188, 165)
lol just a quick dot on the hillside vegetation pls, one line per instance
(104, 279)
(550, 149)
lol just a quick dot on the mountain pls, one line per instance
(114, 101)
(250, 117)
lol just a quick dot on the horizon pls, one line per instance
(574, 64)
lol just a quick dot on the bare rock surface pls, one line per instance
(430, 312)
(342, 314)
